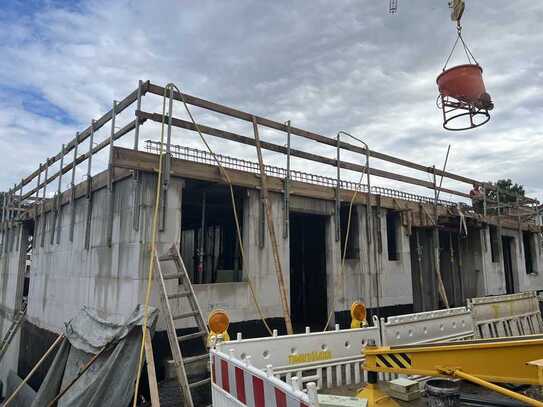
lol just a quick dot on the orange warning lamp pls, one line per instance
(218, 321)
(358, 315)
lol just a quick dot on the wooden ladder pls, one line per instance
(15, 324)
(184, 290)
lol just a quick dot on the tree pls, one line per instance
(508, 191)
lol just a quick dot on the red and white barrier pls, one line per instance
(252, 387)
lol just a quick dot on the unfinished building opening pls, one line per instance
(528, 240)
(352, 251)
(493, 231)
(209, 240)
(507, 247)
(423, 277)
(308, 305)
(393, 230)
(27, 243)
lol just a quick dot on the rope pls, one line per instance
(153, 251)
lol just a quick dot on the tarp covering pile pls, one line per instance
(109, 381)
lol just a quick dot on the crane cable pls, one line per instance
(467, 51)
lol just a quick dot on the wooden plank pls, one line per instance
(206, 104)
(122, 105)
(296, 153)
(151, 373)
(126, 129)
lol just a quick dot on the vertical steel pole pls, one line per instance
(498, 200)
(167, 163)
(136, 176)
(72, 192)
(338, 186)
(484, 201)
(89, 189)
(111, 194)
(3, 224)
(12, 216)
(8, 220)
(18, 215)
(43, 217)
(201, 249)
(37, 195)
(286, 205)
(138, 107)
(58, 215)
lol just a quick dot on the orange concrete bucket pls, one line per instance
(462, 82)
(463, 98)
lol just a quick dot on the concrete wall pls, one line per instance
(11, 277)
(471, 258)
(390, 278)
(66, 275)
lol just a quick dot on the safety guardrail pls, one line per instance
(506, 315)
(425, 327)
(323, 360)
(330, 359)
(238, 383)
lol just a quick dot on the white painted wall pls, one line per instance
(9, 267)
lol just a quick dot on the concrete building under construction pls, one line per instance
(68, 242)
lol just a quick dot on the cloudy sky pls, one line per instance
(327, 66)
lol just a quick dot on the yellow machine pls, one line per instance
(507, 360)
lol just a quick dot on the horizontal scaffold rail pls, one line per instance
(18, 198)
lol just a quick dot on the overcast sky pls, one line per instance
(327, 66)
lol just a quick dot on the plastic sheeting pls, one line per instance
(110, 379)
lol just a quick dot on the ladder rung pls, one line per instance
(166, 257)
(171, 276)
(188, 337)
(200, 383)
(185, 315)
(193, 359)
(179, 295)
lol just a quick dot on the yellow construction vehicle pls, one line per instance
(484, 362)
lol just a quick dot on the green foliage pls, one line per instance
(508, 191)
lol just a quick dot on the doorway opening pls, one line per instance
(27, 244)
(507, 245)
(308, 297)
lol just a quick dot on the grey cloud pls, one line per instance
(326, 66)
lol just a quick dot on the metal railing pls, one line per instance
(204, 157)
